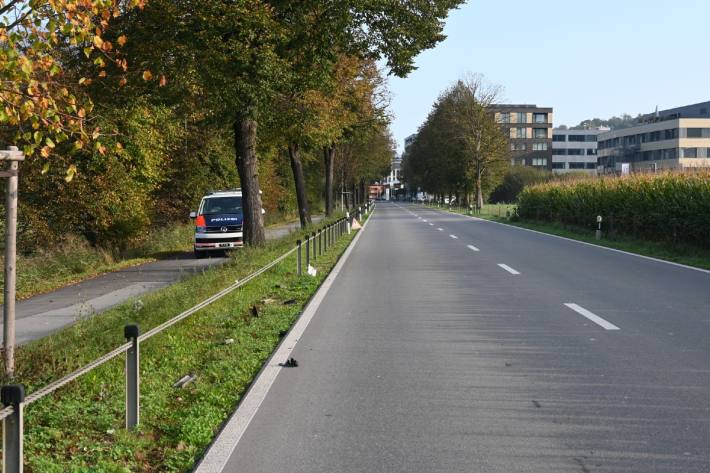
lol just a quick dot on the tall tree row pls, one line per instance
(132, 97)
(459, 151)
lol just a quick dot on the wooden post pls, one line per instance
(13, 156)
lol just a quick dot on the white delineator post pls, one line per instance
(13, 156)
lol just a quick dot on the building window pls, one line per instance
(590, 138)
(591, 152)
(539, 162)
(522, 117)
(576, 165)
(539, 146)
(575, 151)
(539, 118)
(559, 137)
(558, 165)
(689, 152)
(520, 132)
(697, 132)
(539, 133)
(575, 138)
(559, 152)
(518, 146)
(504, 117)
(591, 165)
(670, 134)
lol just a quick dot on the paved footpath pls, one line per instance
(41, 315)
(449, 344)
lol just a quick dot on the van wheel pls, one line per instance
(200, 254)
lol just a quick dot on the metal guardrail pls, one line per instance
(13, 395)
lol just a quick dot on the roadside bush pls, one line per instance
(665, 207)
(515, 180)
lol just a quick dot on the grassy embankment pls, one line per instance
(80, 427)
(677, 253)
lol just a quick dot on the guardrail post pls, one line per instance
(320, 242)
(13, 428)
(299, 269)
(308, 250)
(347, 216)
(315, 251)
(131, 333)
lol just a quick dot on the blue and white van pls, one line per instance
(219, 222)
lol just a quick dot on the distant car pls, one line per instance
(219, 222)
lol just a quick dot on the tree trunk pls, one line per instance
(353, 195)
(297, 167)
(247, 167)
(328, 155)
(362, 191)
(479, 189)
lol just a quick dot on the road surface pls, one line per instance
(448, 344)
(43, 314)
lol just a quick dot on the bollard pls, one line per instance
(598, 233)
(13, 428)
(347, 216)
(299, 270)
(131, 332)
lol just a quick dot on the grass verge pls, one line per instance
(683, 254)
(80, 427)
(74, 260)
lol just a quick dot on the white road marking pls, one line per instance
(508, 268)
(593, 317)
(472, 248)
(454, 237)
(431, 224)
(425, 220)
(215, 460)
(440, 229)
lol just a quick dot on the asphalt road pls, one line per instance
(429, 356)
(43, 314)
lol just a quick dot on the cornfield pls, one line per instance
(669, 207)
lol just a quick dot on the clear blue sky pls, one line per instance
(587, 59)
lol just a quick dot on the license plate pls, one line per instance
(225, 245)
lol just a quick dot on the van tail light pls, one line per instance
(200, 223)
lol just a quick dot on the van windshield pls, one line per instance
(222, 205)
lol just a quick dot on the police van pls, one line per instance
(219, 222)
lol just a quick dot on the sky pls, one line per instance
(586, 59)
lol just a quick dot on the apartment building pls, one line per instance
(529, 129)
(575, 150)
(678, 139)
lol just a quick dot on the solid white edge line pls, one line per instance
(508, 268)
(221, 449)
(454, 237)
(651, 258)
(591, 316)
(472, 248)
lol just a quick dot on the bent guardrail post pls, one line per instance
(12, 428)
(299, 269)
(131, 333)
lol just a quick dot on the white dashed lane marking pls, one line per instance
(508, 268)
